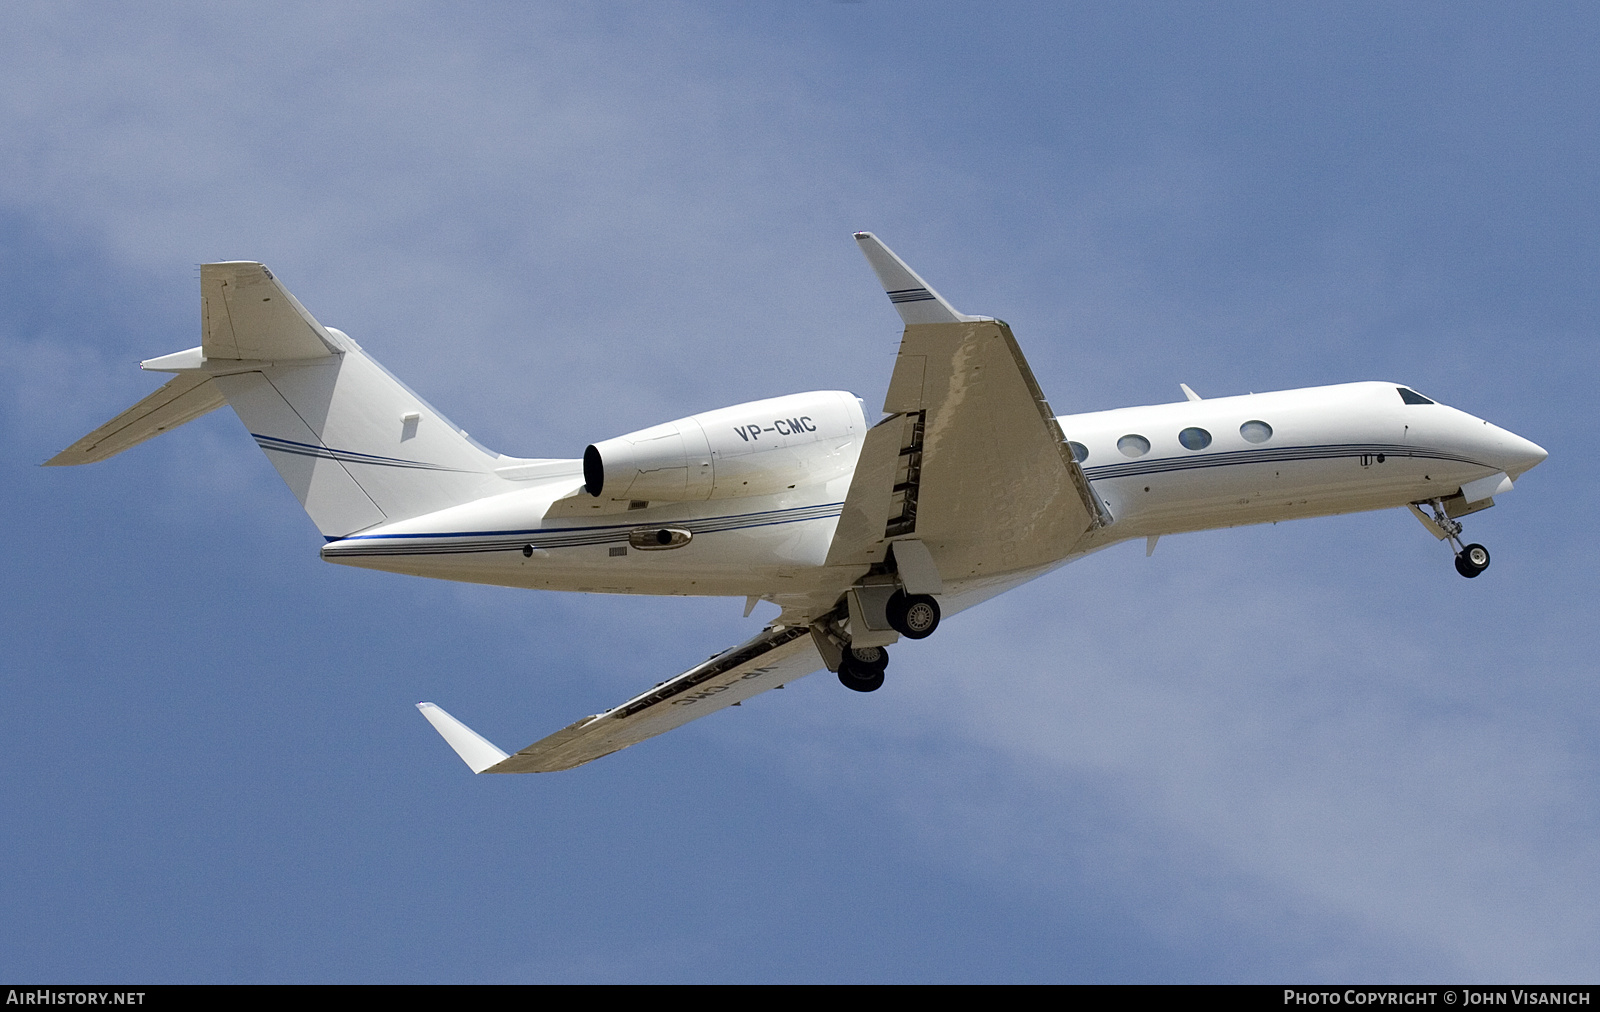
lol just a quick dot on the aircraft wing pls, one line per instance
(768, 661)
(970, 461)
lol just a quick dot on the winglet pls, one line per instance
(478, 752)
(913, 297)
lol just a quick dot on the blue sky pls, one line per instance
(1300, 752)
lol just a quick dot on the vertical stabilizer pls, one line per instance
(357, 446)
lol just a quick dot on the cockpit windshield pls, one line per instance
(1411, 396)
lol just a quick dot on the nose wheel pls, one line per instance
(1472, 560)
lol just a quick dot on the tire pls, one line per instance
(1477, 557)
(869, 658)
(914, 616)
(860, 679)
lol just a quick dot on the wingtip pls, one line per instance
(478, 752)
(912, 297)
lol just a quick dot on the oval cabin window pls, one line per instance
(1133, 445)
(1080, 453)
(1194, 438)
(1256, 431)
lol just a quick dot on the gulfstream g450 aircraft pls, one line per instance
(861, 530)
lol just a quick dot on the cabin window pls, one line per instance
(1194, 438)
(1080, 453)
(1133, 445)
(1412, 397)
(1255, 431)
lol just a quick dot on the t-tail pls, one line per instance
(357, 446)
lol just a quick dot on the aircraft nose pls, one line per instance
(1518, 455)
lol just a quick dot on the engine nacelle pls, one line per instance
(749, 449)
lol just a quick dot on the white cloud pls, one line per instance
(1238, 747)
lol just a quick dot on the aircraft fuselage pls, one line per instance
(1159, 469)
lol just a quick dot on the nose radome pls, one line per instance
(1520, 454)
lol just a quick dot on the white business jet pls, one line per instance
(861, 530)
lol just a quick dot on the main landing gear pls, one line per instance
(914, 616)
(1470, 559)
(862, 668)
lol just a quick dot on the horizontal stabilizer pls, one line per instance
(247, 314)
(181, 400)
(913, 298)
(478, 752)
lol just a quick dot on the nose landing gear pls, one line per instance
(1470, 559)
